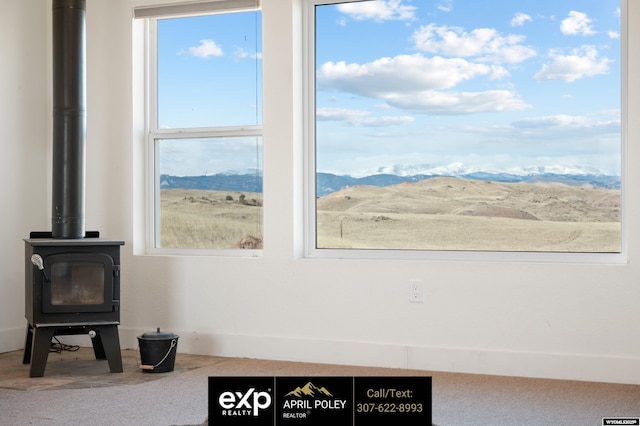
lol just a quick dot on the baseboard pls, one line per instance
(580, 367)
(596, 368)
(561, 366)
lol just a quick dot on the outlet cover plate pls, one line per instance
(415, 291)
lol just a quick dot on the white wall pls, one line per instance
(24, 116)
(576, 321)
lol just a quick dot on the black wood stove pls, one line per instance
(72, 277)
(72, 287)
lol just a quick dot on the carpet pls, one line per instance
(77, 389)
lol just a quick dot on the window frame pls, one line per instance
(154, 135)
(309, 170)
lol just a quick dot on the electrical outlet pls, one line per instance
(415, 291)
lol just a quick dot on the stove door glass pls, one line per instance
(78, 282)
(75, 283)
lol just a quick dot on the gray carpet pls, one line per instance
(78, 390)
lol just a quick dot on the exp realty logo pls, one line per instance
(314, 400)
(240, 401)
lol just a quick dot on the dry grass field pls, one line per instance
(191, 218)
(434, 214)
(462, 214)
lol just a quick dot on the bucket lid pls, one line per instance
(158, 335)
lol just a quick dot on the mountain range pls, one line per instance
(309, 390)
(327, 183)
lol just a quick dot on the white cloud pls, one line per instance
(582, 62)
(554, 121)
(445, 6)
(484, 44)
(520, 19)
(205, 49)
(569, 128)
(416, 83)
(240, 53)
(403, 73)
(340, 114)
(360, 118)
(378, 11)
(577, 23)
(613, 35)
(436, 102)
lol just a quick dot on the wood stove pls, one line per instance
(72, 277)
(72, 286)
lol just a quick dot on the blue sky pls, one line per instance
(409, 86)
(209, 74)
(210, 70)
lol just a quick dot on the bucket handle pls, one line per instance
(151, 367)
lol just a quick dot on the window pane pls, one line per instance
(210, 193)
(208, 183)
(457, 126)
(209, 71)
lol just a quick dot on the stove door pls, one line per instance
(79, 282)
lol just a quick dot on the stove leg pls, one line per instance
(110, 343)
(26, 358)
(98, 347)
(40, 350)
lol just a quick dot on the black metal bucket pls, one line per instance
(158, 351)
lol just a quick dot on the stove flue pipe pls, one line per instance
(69, 118)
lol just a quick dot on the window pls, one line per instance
(450, 126)
(205, 125)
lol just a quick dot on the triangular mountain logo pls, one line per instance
(310, 390)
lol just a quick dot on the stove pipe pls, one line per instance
(69, 118)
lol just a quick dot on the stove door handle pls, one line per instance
(38, 262)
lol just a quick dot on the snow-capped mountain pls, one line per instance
(327, 183)
(460, 169)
